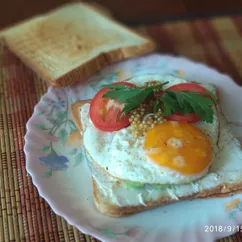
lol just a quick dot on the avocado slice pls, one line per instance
(134, 184)
(141, 185)
(161, 186)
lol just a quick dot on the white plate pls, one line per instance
(64, 180)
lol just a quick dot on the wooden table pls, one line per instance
(24, 216)
(129, 11)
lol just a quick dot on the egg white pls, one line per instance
(115, 153)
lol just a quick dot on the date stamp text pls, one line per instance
(223, 228)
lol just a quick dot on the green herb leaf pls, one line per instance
(134, 102)
(132, 97)
(157, 105)
(121, 95)
(188, 102)
(187, 108)
(170, 102)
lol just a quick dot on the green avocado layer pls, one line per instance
(134, 185)
(142, 185)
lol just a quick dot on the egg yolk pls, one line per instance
(179, 146)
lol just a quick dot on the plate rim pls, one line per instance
(88, 229)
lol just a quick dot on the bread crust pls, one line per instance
(88, 68)
(85, 69)
(113, 210)
(75, 112)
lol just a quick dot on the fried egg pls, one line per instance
(181, 147)
(169, 153)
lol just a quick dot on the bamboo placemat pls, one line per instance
(24, 215)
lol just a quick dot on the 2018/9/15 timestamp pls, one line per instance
(223, 228)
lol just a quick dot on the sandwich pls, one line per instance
(153, 140)
(71, 43)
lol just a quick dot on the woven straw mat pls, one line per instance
(24, 215)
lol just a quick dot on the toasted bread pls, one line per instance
(71, 43)
(114, 198)
(107, 189)
(107, 206)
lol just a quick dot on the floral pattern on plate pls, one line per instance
(57, 163)
(234, 207)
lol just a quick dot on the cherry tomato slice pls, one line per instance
(106, 113)
(186, 118)
(190, 87)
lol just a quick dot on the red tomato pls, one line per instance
(106, 113)
(190, 87)
(188, 118)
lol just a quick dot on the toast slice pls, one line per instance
(114, 198)
(71, 43)
(110, 194)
